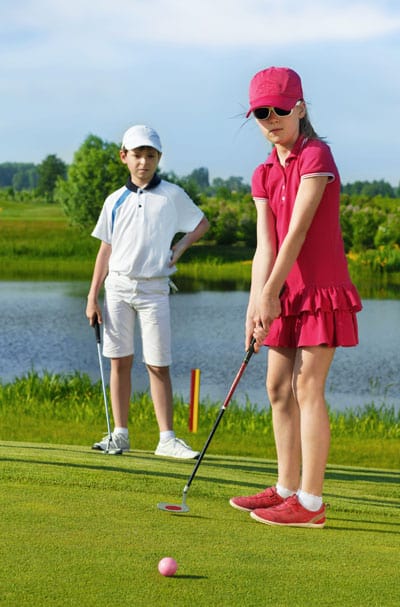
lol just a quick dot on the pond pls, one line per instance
(44, 329)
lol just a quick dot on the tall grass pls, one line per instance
(70, 409)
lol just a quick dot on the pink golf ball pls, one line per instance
(167, 566)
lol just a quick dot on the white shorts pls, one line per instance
(146, 300)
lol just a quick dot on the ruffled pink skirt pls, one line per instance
(317, 316)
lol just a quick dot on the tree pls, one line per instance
(18, 175)
(200, 177)
(49, 172)
(191, 188)
(95, 172)
(232, 185)
(25, 179)
(232, 220)
(370, 189)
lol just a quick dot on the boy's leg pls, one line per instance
(154, 316)
(120, 389)
(118, 334)
(161, 393)
(153, 310)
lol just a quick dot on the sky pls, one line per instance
(80, 67)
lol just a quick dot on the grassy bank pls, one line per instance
(70, 409)
(36, 243)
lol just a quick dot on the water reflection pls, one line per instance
(44, 328)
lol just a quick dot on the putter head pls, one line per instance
(113, 452)
(174, 508)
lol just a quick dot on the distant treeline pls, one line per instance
(26, 176)
(369, 210)
(18, 175)
(40, 178)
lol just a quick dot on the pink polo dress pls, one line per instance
(319, 301)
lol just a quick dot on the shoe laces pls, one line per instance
(181, 442)
(290, 503)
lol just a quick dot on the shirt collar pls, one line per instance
(273, 157)
(155, 180)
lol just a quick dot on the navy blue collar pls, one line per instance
(155, 180)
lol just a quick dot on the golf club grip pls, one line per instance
(96, 328)
(248, 355)
(250, 351)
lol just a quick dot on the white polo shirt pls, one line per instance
(140, 226)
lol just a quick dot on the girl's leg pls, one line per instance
(310, 373)
(161, 393)
(120, 389)
(285, 415)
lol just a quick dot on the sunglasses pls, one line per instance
(263, 113)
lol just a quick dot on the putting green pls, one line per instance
(82, 528)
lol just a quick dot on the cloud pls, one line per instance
(112, 32)
(253, 23)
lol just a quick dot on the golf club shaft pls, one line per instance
(103, 383)
(227, 400)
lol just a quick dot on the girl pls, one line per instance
(302, 303)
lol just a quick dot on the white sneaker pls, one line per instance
(176, 447)
(118, 442)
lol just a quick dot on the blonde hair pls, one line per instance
(306, 128)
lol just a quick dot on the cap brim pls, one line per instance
(285, 103)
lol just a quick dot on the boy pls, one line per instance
(135, 260)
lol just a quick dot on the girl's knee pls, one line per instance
(279, 391)
(311, 390)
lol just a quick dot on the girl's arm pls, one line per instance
(263, 262)
(308, 197)
(100, 272)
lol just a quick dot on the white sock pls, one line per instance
(123, 431)
(309, 501)
(283, 492)
(166, 435)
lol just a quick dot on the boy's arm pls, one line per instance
(100, 272)
(188, 239)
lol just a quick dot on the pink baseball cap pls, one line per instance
(275, 87)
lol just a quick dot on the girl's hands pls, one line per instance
(269, 309)
(255, 329)
(258, 323)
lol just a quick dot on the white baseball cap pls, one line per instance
(140, 135)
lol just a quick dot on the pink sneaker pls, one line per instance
(290, 513)
(266, 499)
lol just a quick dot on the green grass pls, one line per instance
(69, 409)
(36, 243)
(82, 528)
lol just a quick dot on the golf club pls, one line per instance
(183, 507)
(107, 451)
